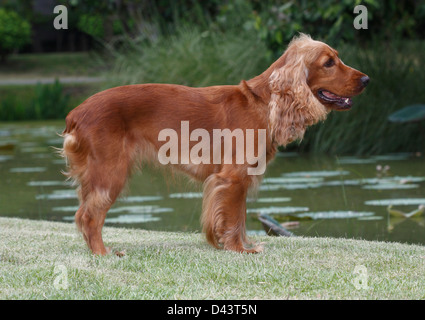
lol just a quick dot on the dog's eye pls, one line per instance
(329, 63)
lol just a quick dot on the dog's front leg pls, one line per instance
(224, 211)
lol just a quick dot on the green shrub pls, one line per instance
(50, 102)
(11, 109)
(15, 32)
(44, 101)
(276, 21)
(92, 25)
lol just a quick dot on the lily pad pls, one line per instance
(338, 183)
(141, 209)
(4, 133)
(335, 215)
(413, 113)
(58, 195)
(5, 158)
(294, 186)
(272, 200)
(132, 219)
(277, 210)
(66, 209)
(127, 218)
(353, 160)
(28, 170)
(186, 195)
(323, 173)
(57, 141)
(396, 182)
(47, 183)
(251, 233)
(370, 218)
(407, 179)
(391, 186)
(35, 149)
(59, 161)
(141, 198)
(296, 180)
(393, 157)
(397, 202)
(41, 156)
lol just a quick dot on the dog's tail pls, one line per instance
(73, 151)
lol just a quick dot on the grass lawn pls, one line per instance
(49, 260)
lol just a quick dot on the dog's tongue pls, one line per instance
(338, 99)
(330, 95)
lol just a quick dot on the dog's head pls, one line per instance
(331, 81)
(307, 82)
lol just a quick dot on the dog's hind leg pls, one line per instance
(100, 163)
(101, 178)
(99, 188)
(90, 218)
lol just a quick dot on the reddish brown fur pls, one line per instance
(115, 129)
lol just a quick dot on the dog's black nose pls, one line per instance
(364, 80)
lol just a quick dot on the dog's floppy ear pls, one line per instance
(292, 105)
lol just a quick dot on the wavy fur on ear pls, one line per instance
(293, 107)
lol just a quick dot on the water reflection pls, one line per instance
(327, 196)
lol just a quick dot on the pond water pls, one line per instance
(316, 196)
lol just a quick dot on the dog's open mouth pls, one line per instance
(342, 103)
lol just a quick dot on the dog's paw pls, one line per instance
(257, 248)
(120, 254)
(250, 248)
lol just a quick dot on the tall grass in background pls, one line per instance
(201, 58)
(191, 57)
